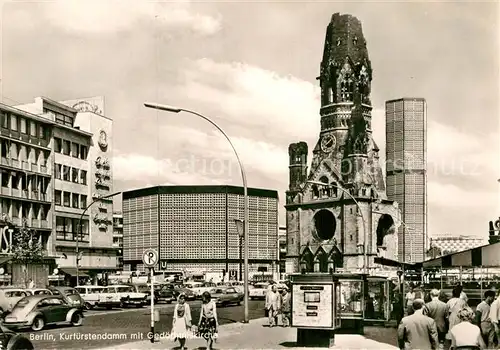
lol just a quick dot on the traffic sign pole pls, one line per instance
(152, 307)
(150, 259)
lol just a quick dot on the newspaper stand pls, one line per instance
(315, 311)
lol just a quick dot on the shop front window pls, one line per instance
(351, 299)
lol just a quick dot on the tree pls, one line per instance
(27, 249)
(433, 252)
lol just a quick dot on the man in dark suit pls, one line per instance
(417, 331)
(437, 310)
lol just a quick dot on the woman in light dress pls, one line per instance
(454, 305)
(181, 323)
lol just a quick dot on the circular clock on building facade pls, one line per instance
(328, 143)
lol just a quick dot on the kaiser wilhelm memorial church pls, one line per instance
(338, 215)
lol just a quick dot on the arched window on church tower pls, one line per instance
(315, 192)
(330, 95)
(325, 190)
(346, 89)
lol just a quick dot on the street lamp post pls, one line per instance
(80, 225)
(245, 189)
(365, 254)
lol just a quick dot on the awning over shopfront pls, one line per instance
(484, 256)
(72, 272)
(394, 263)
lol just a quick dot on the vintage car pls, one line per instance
(70, 295)
(90, 295)
(186, 291)
(258, 291)
(146, 289)
(199, 289)
(11, 340)
(37, 291)
(226, 295)
(165, 294)
(108, 298)
(37, 311)
(127, 295)
(9, 297)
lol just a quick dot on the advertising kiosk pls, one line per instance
(315, 308)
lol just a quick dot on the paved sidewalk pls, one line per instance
(256, 335)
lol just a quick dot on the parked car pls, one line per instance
(9, 297)
(199, 289)
(146, 289)
(128, 296)
(11, 340)
(37, 291)
(226, 295)
(108, 298)
(187, 292)
(70, 295)
(37, 311)
(90, 295)
(166, 294)
(258, 291)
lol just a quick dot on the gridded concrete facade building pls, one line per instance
(406, 172)
(454, 244)
(194, 229)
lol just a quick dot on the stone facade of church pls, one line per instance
(348, 221)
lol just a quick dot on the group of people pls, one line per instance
(278, 304)
(435, 324)
(208, 323)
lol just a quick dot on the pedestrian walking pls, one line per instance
(494, 318)
(454, 305)
(272, 306)
(208, 324)
(417, 331)
(286, 308)
(437, 310)
(483, 319)
(465, 335)
(181, 323)
(409, 298)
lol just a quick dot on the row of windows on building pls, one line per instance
(17, 123)
(23, 153)
(67, 229)
(60, 118)
(67, 173)
(69, 148)
(70, 200)
(18, 209)
(22, 181)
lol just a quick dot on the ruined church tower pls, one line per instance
(338, 215)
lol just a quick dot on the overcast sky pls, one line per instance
(252, 68)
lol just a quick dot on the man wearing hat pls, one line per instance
(286, 307)
(418, 331)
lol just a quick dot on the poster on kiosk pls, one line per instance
(314, 305)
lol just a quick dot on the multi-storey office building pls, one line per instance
(118, 237)
(454, 244)
(82, 148)
(26, 186)
(406, 172)
(194, 229)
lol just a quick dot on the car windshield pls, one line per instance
(217, 291)
(259, 286)
(70, 292)
(143, 288)
(124, 289)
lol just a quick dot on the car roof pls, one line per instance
(38, 297)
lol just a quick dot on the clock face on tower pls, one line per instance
(328, 143)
